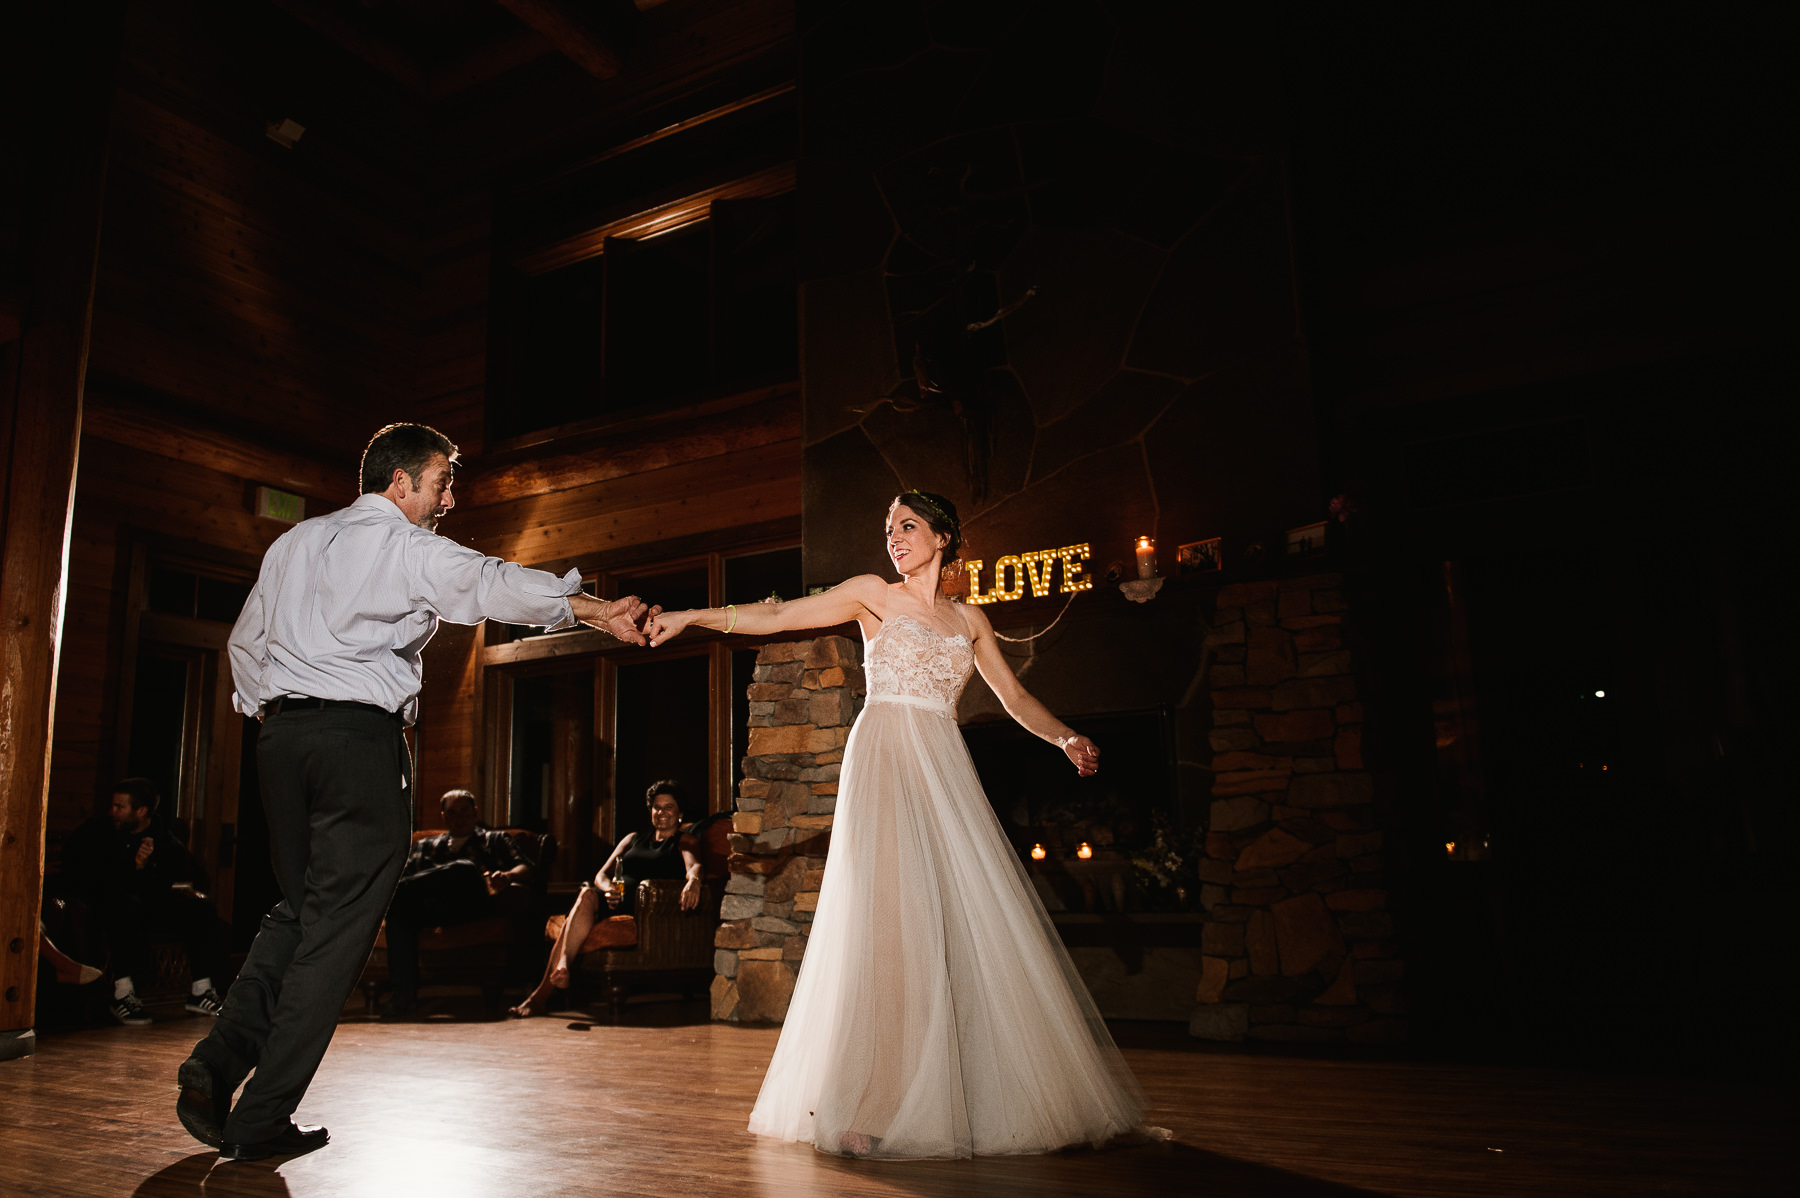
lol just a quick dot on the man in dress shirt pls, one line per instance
(326, 655)
(464, 873)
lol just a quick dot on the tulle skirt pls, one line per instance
(936, 1013)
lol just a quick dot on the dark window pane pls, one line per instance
(663, 711)
(555, 349)
(676, 589)
(756, 576)
(755, 295)
(658, 343)
(158, 718)
(171, 591)
(533, 725)
(218, 599)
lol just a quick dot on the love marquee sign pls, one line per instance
(1036, 569)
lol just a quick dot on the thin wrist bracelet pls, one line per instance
(732, 608)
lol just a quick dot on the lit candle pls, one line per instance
(1146, 555)
(1085, 851)
(1037, 852)
(1450, 847)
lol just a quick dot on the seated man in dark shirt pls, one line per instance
(135, 877)
(458, 876)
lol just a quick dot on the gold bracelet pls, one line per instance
(732, 608)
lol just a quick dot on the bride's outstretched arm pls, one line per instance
(851, 600)
(1022, 705)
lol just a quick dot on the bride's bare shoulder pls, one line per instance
(978, 621)
(871, 589)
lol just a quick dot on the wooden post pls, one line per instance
(62, 63)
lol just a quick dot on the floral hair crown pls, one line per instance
(926, 503)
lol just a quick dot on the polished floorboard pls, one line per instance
(560, 1105)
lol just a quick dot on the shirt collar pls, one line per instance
(379, 504)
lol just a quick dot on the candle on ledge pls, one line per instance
(1146, 557)
(1037, 852)
(1085, 851)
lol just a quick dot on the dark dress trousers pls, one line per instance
(336, 786)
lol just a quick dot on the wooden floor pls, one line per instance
(555, 1106)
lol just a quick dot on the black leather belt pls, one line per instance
(306, 703)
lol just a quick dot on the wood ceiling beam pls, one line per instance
(763, 417)
(167, 434)
(568, 32)
(484, 62)
(666, 218)
(360, 41)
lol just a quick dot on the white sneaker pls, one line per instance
(207, 1002)
(129, 1011)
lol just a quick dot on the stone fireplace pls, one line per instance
(803, 699)
(1298, 944)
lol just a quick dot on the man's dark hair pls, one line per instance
(408, 447)
(668, 786)
(459, 793)
(143, 792)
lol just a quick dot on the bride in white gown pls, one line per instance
(937, 1013)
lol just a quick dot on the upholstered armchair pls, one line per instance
(662, 947)
(488, 953)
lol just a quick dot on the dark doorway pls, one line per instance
(663, 720)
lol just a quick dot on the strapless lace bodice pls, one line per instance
(906, 657)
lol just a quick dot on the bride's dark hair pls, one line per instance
(939, 515)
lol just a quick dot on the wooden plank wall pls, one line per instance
(261, 310)
(272, 291)
(256, 316)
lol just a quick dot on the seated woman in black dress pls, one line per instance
(638, 858)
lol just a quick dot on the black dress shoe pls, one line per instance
(205, 1101)
(292, 1141)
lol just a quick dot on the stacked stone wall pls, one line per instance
(804, 697)
(1299, 944)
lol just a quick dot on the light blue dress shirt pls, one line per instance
(345, 603)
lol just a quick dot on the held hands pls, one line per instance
(631, 621)
(624, 618)
(1083, 753)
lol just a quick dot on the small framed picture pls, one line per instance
(1306, 541)
(1197, 557)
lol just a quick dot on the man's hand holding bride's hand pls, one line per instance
(625, 618)
(1083, 753)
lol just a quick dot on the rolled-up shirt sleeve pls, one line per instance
(463, 586)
